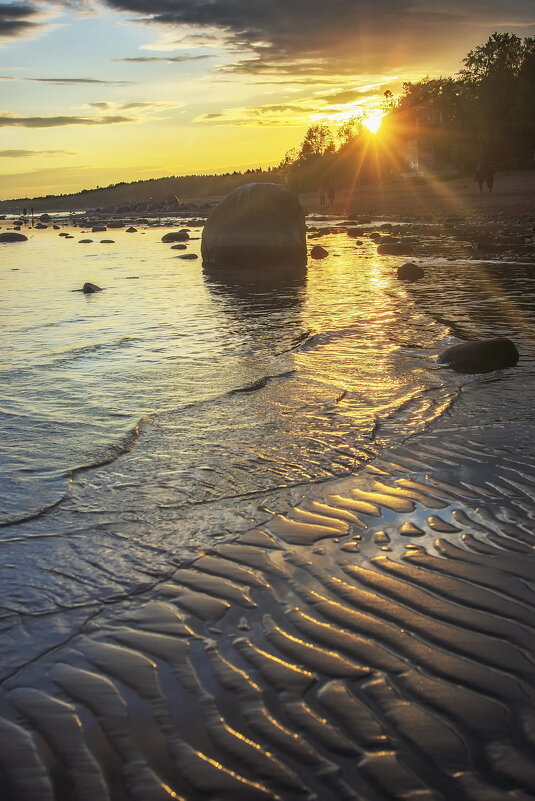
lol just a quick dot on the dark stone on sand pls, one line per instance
(9, 236)
(318, 252)
(188, 256)
(41, 226)
(176, 236)
(84, 241)
(45, 218)
(88, 288)
(394, 249)
(55, 227)
(107, 241)
(410, 272)
(481, 357)
(98, 228)
(178, 247)
(131, 230)
(257, 224)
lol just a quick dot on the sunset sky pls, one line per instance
(98, 92)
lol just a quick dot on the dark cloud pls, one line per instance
(314, 37)
(164, 59)
(23, 154)
(57, 122)
(17, 19)
(65, 81)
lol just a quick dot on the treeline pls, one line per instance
(157, 189)
(485, 113)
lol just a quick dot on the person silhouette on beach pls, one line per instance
(331, 191)
(485, 175)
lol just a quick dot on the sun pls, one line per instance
(373, 119)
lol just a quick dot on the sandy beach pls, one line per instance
(513, 195)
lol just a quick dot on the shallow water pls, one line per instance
(174, 407)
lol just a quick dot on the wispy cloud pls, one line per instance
(59, 121)
(147, 106)
(23, 154)
(65, 81)
(164, 59)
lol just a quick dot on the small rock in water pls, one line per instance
(481, 357)
(176, 236)
(89, 288)
(410, 272)
(8, 236)
(318, 252)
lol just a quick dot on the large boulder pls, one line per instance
(256, 224)
(480, 357)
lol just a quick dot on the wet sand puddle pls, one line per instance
(375, 642)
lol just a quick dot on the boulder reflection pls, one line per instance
(245, 293)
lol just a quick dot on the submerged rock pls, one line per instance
(481, 357)
(258, 223)
(394, 249)
(9, 236)
(410, 272)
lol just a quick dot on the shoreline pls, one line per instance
(513, 196)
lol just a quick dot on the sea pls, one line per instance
(176, 408)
